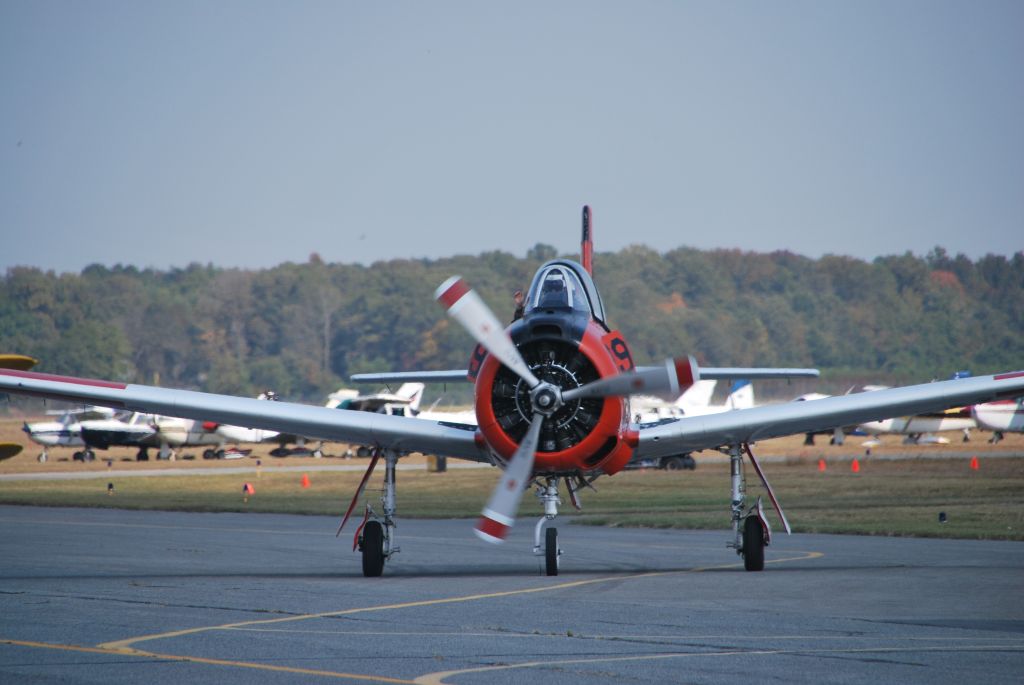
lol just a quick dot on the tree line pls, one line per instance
(302, 329)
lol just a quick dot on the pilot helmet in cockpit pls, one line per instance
(553, 292)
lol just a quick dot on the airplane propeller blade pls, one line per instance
(500, 512)
(466, 307)
(670, 380)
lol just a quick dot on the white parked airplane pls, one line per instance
(65, 430)
(552, 411)
(920, 428)
(404, 402)
(1003, 416)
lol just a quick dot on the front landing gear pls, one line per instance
(551, 551)
(548, 495)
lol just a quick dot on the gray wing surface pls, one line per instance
(731, 373)
(395, 432)
(760, 423)
(451, 376)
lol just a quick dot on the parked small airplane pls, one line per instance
(920, 428)
(689, 404)
(66, 430)
(1003, 416)
(132, 430)
(404, 402)
(552, 408)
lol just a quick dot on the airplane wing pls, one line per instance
(706, 373)
(727, 373)
(404, 434)
(772, 421)
(450, 376)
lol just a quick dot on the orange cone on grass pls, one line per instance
(974, 463)
(855, 466)
(305, 481)
(821, 465)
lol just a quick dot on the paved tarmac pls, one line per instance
(107, 596)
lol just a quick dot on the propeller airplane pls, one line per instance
(552, 407)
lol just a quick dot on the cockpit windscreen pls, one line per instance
(557, 287)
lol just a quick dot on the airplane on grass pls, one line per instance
(65, 430)
(404, 402)
(696, 401)
(552, 405)
(1003, 416)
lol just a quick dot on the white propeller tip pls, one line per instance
(486, 537)
(493, 527)
(451, 291)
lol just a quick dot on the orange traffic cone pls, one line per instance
(247, 490)
(305, 481)
(855, 466)
(974, 463)
(821, 465)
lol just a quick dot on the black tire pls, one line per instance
(209, 454)
(689, 462)
(551, 551)
(373, 549)
(673, 464)
(753, 544)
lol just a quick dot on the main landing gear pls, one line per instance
(751, 532)
(375, 537)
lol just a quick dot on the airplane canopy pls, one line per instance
(563, 284)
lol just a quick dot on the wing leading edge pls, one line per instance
(706, 373)
(394, 432)
(772, 421)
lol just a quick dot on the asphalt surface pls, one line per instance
(106, 596)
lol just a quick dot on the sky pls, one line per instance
(249, 133)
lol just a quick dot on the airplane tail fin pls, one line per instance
(414, 393)
(587, 246)
(697, 395)
(741, 395)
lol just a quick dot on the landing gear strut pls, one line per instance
(751, 532)
(548, 495)
(375, 538)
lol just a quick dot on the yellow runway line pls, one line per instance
(127, 643)
(203, 660)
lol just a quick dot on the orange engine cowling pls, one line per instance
(583, 435)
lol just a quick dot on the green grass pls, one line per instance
(885, 498)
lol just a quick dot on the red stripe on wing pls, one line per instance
(1007, 376)
(63, 379)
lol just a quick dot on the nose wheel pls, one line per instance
(551, 551)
